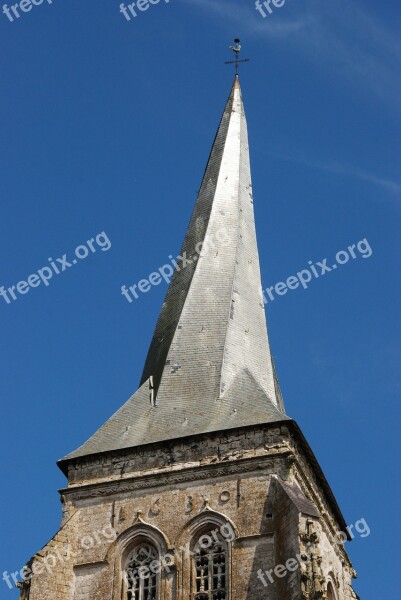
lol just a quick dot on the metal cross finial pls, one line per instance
(237, 50)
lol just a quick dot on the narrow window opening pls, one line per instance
(210, 568)
(141, 580)
(330, 592)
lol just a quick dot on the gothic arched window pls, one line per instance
(330, 592)
(141, 576)
(210, 567)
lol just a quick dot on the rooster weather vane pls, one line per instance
(236, 49)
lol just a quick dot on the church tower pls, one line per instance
(201, 487)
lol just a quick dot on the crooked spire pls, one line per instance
(212, 325)
(209, 365)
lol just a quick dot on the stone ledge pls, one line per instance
(167, 478)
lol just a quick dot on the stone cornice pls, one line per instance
(202, 472)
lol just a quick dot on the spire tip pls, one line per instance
(236, 49)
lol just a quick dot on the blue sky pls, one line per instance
(106, 127)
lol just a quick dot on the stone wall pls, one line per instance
(168, 493)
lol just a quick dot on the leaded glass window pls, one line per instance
(210, 568)
(141, 580)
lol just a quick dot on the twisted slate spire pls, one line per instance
(209, 365)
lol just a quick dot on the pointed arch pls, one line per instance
(204, 548)
(141, 529)
(139, 558)
(331, 594)
(203, 519)
(210, 565)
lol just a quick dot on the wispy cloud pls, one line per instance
(389, 185)
(358, 48)
(225, 9)
(340, 36)
(248, 20)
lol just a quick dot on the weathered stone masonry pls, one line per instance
(166, 488)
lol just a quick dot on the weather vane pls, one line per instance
(237, 50)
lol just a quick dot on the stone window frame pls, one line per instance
(206, 521)
(142, 543)
(206, 530)
(122, 548)
(331, 586)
